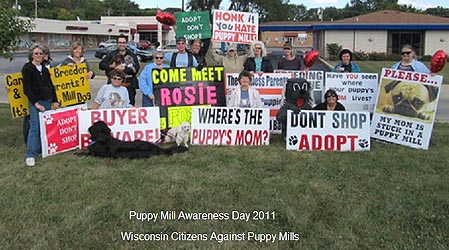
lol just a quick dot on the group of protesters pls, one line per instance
(122, 66)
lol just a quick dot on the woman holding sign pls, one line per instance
(41, 93)
(77, 57)
(146, 79)
(408, 61)
(331, 102)
(245, 96)
(258, 62)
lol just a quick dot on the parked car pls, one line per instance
(144, 44)
(102, 52)
(142, 55)
(107, 43)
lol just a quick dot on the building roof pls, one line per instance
(380, 20)
(394, 17)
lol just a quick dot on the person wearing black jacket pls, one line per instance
(258, 62)
(41, 93)
(129, 65)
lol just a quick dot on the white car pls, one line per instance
(107, 43)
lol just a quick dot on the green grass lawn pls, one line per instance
(392, 197)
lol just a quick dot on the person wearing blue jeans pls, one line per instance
(41, 93)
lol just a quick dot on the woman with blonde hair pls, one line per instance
(76, 57)
(258, 62)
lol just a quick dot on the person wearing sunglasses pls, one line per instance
(41, 93)
(331, 102)
(146, 81)
(182, 58)
(113, 95)
(258, 62)
(289, 61)
(346, 65)
(408, 61)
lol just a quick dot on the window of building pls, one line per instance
(397, 39)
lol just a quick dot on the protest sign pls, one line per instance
(176, 90)
(235, 27)
(406, 107)
(328, 130)
(127, 124)
(193, 25)
(314, 77)
(59, 130)
(18, 101)
(270, 87)
(71, 84)
(356, 91)
(230, 126)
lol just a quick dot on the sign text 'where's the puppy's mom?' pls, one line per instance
(230, 126)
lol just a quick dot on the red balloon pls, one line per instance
(438, 61)
(310, 58)
(166, 18)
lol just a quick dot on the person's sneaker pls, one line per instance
(30, 161)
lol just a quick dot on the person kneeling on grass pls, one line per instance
(112, 95)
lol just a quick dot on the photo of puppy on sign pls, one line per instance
(179, 134)
(408, 99)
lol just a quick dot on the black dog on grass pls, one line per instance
(104, 145)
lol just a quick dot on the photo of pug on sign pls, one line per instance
(408, 99)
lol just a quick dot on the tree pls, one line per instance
(11, 28)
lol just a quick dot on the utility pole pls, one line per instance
(35, 9)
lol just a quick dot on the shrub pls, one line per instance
(333, 49)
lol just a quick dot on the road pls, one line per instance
(14, 66)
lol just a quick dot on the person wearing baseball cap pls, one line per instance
(289, 61)
(182, 58)
(232, 62)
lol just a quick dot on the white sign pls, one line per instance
(127, 124)
(235, 27)
(328, 130)
(406, 107)
(270, 87)
(356, 91)
(314, 77)
(230, 126)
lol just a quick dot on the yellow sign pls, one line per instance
(71, 84)
(17, 99)
(70, 81)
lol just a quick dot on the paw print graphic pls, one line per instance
(292, 140)
(48, 119)
(363, 143)
(52, 148)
